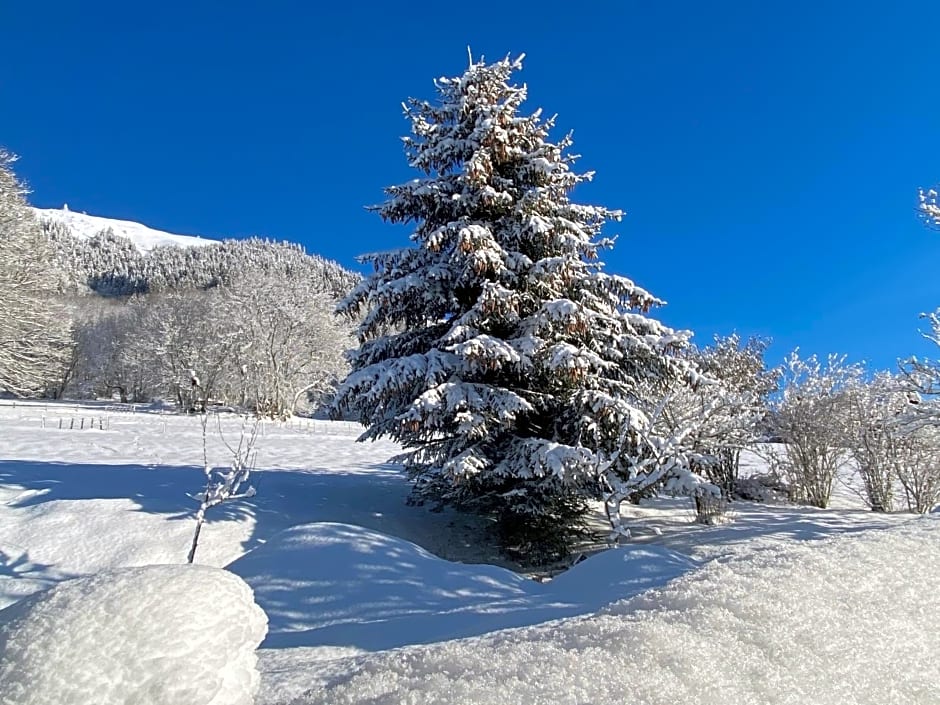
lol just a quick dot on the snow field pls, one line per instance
(851, 620)
(157, 635)
(343, 567)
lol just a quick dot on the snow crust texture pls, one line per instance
(156, 635)
(851, 620)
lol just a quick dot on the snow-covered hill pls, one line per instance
(84, 226)
(113, 257)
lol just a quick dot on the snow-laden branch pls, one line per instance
(225, 484)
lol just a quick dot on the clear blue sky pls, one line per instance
(767, 154)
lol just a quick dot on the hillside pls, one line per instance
(85, 227)
(111, 257)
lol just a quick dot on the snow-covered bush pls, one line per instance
(877, 436)
(763, 487)
(688, 437)
(917, 468)
(811, 417)
(734, 408)
(657, 451)
(922, 377)
(495, 349)
(156, 635)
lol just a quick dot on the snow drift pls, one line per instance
(157, 635)
(854, 619)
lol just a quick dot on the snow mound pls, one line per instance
(330, 584)
(849, 620)
(157, 635)
(82, 225)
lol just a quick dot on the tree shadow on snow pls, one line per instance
(343, 585)
(768, 523)
(155, 489)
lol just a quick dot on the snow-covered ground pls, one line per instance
(82, 225)
(748, 611)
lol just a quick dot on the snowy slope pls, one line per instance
(752, 611)
(145, 239)
(854, 619)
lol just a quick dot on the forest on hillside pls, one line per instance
(247, 323)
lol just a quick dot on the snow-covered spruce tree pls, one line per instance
(495, 349)
(34, 332)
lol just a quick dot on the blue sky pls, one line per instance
(768, 155)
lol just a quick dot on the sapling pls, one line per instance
(226, 484)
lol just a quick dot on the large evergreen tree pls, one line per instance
(496, 350)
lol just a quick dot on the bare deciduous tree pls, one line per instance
(877, 437)
(810, 417)
(34, 332)
(294, 344)
(918, 468)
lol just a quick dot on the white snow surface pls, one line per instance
(374, 591)
(851, 620)
(157, 635)
(782, 604)
(82, 225)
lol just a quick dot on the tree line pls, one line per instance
(245, 323)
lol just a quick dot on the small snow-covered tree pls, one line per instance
(225, 484)
(496, 350)
(733, 409)
(35, 338)
(810, 417)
